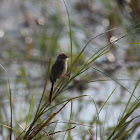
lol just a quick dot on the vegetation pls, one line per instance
(43, 120)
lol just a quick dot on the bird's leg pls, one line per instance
(67, 75)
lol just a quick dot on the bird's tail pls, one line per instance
(51, 92)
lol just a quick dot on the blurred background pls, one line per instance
(32, 32)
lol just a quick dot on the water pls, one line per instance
(25, 53)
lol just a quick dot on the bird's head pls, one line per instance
(62, 56)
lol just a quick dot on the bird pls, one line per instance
(58, 70)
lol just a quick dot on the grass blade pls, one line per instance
(69, 31)
(10, 102)
(30, 110)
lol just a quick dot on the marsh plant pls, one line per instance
(43, 119)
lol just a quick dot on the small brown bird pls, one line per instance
(58, 70)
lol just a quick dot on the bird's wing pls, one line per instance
(56, 70)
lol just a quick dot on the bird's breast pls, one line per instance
(64, 69)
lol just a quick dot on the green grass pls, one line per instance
(35, 123)
(41, 115)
